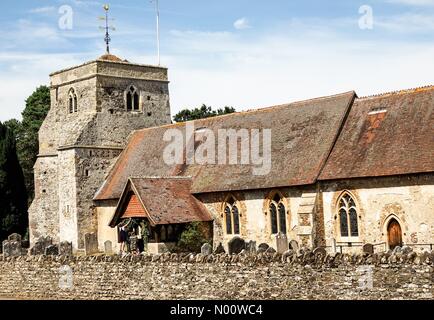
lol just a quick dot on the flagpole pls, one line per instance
(158, 31)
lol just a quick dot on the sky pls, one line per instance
(242, 53)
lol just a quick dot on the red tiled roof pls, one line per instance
(303, 134)
(389, 134)
(164, 200)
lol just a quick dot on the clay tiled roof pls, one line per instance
(303, 134)
(389, 134)
(164, 200)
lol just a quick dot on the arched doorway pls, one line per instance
(394, 234)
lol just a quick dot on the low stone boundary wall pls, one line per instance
(221, 276)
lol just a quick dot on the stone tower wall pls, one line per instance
(78, 149)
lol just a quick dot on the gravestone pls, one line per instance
(236, 245)
(25, 244)
(15, 248)
(108, 247)
(38, 248)
(220, 249)
(319, 253)
(293, 245)
(206, 249)
(334, 245)
(263, 247)
(65, 248)
(251, 247)
(281, 243)
(14, 237)
(6, 249)
(90, 244)
(368, 248)
(52, 250)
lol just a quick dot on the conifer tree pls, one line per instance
(13, 195)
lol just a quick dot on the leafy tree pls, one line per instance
(193, 237)
(13, 196)
(200, 113)
(37, 107)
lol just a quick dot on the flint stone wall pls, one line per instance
(172, 276)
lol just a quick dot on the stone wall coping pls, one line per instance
(291, 258)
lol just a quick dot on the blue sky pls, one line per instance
(246, 54)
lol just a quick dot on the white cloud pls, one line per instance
(291, 62)
(43, 10)
(241, 24)
(407, 23)
(413, 2)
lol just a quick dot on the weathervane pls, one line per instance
(107, 27)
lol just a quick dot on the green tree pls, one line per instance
(200, 113)
(37, 107)
(193, 237)
(13, 196)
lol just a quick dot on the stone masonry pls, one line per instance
(77, 149)
(220, 276)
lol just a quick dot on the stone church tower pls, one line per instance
(94, 108)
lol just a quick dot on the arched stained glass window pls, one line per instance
(348, 220)
(277, 215)
(232, 217)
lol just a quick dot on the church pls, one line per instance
(345, 170)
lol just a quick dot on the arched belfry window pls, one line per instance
(132, 99)
(232, 217)
(277, 211)
(73, 101)
(348, 220)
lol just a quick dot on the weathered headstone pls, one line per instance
(52, 250)
(15, 248)
(251, 247)
(236, 245)
(319, 253)
(108, 247)
(334, 248)
(6, 248)
(293, 245)
(25, 244)
(368, 248)
(65, 248)
(263, 247)
(281, 243)
(90, 244)
(14, 237)
(206, 249)
(220, 249)
(38, 248)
